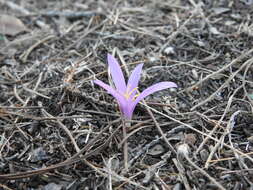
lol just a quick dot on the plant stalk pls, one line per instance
(125, 124)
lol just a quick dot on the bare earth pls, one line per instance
(59, 131)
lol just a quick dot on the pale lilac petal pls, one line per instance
(134, 80)
(150, 90)
(154, 88)
(128, 110)
(117, 74)
(120, 99)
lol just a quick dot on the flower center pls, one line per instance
(128, 94)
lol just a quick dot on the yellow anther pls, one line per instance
(133, 90)
(128, 94)
(138, 94)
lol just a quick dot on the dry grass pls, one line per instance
(59, 131)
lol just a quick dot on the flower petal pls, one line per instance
(150, 90)
(128, 110)
(120, 99)
(134, 80)
(154, 88)
(117, 74)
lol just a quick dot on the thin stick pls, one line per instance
(224, 84)
(204, 173)
(158, 127)
(200, 132)
(182, 173)
(23, 57)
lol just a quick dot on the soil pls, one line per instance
(60, 131)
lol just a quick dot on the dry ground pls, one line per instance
(60, 131)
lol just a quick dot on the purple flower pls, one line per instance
(126, 94)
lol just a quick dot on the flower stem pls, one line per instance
(125, 125)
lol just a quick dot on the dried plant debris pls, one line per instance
(11, 25)
(58, 130)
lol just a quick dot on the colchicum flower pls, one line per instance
(126, 94)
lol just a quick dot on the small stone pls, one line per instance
(190, 139)
(201, 44)
(204, 154)
(195, 74)
(156, 150)
(169, 50)
(214, 30)
(52, 186)
(153, 59)
(183, 149)
(38, 154)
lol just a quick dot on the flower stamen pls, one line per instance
(138, 94)
(128, 94)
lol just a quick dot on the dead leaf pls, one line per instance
(11, 25)
(220, 10)
(190, 139)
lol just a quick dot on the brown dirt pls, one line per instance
(60, 131)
